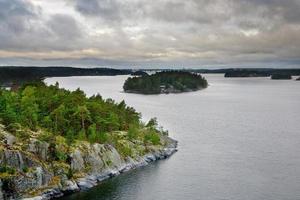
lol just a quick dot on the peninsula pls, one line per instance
(55, 142)
(165, 82)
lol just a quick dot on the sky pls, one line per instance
(150, 33)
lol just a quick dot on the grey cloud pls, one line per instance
(23, 29)
(162, 32)
(14, 15)
(107, 9)
(15, 8)
(64, 27)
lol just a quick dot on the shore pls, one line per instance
(93, 179)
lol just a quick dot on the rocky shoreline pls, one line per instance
(166, 91)
(30, 175)
(93, 180)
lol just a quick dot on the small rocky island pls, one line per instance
(165, 82)
(281, 77)
(55, 142)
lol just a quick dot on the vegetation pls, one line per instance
(246, 73)
(65, 116)
(281, 77)
(14, 76)
(258, 72)
(139, 73)
(165, 82)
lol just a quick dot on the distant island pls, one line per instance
(246, 73)
(139, 73)
(281, 77)
(256, 72)
(165, 82)
(11, 75)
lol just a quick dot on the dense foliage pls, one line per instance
(281, 77)
(15, 75)
(68, 114)
(165, 82)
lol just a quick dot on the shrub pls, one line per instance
(152, 137)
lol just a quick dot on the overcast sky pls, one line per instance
(150, 33)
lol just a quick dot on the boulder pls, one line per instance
(39, 148)
(77, 162)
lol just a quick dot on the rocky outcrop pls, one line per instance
(27, 173)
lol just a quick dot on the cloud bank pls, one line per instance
(143, 33)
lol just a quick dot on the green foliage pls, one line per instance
(45, 136)
(102, 137)
(164, 82)
(23, 134)
(82, 135)
(92, 133)
(7, 169)
(61, 112)
(133, 132)
(124, 149)
(60, 156)
(25, 169)
(152, 123)
(152, 137)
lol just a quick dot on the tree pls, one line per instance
(29, 108)
(59, 117)
(84, 115)
(152, 122)
(92, 133)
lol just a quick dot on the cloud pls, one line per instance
(106, 9)
(143, 32)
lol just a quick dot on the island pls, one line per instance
(165, 82)
(298, 79)
(139, 73)
(55, 142)
(253, 72)
(246, 73)
(281, 77)
(17, 75)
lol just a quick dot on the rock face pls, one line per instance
(34, 177)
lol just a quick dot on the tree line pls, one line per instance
(70, 114)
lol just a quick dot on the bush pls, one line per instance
(7, 169)
(25, 169)
(61, 156)
(152, 137)
(133, 132)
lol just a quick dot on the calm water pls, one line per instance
(239, 139)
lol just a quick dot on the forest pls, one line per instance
(70, 114)
(165, 82)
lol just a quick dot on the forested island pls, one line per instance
(246, 73)
(281, 77)
(19, 75)
(139, 73)
(257, 72)
(165, 82)
(54, 141)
